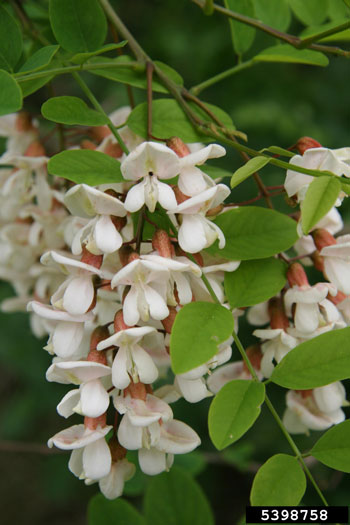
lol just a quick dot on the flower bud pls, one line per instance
(99, 334)
(304, 393)
(254, 355)
(169, 321)
(87, 144)
(24, 122)
(161, 242)
(136, 391)
(180, 197)
(278, 318)
(215, 211)
(117, 451)
(91, 259)
(113, 150)
(323, 238)
(318, 261)
(98, 133)
(305, 143)
(124, 252)
(119, 323)
(176, 144)
(35, 149)
(93, 422)
(119, 222)
(296, 275)
(336, 299)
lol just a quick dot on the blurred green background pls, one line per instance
(273, 104)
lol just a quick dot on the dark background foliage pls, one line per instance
(273, 104)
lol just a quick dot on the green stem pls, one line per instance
(285, 37)
(221, 76)
(23, 77)
(85, 88)
(333, 31)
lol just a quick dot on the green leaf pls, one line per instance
(287, 53)
(280, 481)
(310, 12)
(80, 58)
(174, 498)
(198, 329)
(276, 150)
(333, 448)
(338, 10)
(116, 512)
(317, 362)
(10, 94)
(252, 166)
(194, 463)
(255, 281)
(30, 86)
(274, 13)
(319, 199)
(85, 166)
(135, 77)
(10, 40)
(234, 410)
(39, 59)
(176, 122)
(78, 26)
(72, 111)
(254, 233)
(242, 34)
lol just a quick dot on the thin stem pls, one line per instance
(85, 88)
(221, 76)
(23, 76)
(285, 37)
(140, 224)
(318, 36)
(149, 73)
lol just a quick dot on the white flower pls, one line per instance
(196, 232)
(191, 179)
(312, 308)
(76, 294)
(67, 330)
(99, 234)
(336, 258)
(148, 287)
(322, 159)
(91, 457)
(278, 345)
(316, 409)
(112, 485)
(131, 359)
(150, 161)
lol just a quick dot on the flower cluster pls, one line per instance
(107, 294)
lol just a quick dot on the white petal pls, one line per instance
(307, 317)
(79, 295)
(130, 307)
(77, 436)
(193, 390)
(191, 181)
(85, 201)
(75, 464)
(146, 369)
(152, 461)
(150, 157)
(192, 238)
(93, 398)
(112, 485)
(213, 151)
(107, 237)
(166, 196)
(66, 338)
(177, 438)
(120, 376)
(135, 198)
(330, 397)
(66, 406)
(129, 436)
(157, 305)
(97, 459)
